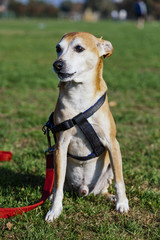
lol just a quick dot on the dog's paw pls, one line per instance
(122, 206)
(53, 214)
(111, 198)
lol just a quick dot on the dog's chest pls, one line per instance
(79, 144)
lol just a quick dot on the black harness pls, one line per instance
(81, 121)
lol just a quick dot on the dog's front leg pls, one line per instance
(60, 172)
(116, 161)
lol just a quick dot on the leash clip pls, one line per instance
(44, 128)
(50, 147)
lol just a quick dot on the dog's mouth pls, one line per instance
(63, 76)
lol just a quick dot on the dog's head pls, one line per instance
(78, 53)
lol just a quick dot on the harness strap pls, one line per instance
(90, 111)
(90, 134)
(83, 158)
(81, 121)
(71, 122)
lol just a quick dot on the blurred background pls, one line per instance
(29, 32)
(88, 10)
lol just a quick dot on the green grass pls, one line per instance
(28, 93)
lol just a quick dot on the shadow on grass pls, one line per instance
(19, 189)
(9, 178)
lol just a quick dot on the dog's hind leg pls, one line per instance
(104, 190)
(110, 197)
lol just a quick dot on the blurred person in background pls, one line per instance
(141, 13)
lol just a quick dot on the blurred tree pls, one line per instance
(102, 6)
(105, 7)
(154, 8)
(78, 7)
(19, 9)
(33, 9)
(40, 8)
(66, 6)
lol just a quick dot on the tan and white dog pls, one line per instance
(79, 68)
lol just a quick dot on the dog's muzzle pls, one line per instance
(59, 68)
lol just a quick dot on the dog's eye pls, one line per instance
(79, 49)
(58, 49)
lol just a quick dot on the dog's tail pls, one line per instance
(83, 190)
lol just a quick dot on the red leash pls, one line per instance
(49, 180)
(5, 156)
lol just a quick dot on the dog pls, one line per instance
(79, 67)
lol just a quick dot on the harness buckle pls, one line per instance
(44, 128)
(50, 147)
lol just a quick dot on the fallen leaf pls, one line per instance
(112, 104)
(9, 226)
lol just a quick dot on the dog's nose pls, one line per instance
(58, 65)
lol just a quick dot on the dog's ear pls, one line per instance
(105, 48)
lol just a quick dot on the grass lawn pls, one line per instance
(28, 93)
